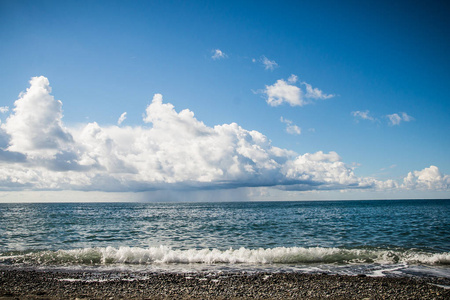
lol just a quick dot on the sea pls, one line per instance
(373, 238)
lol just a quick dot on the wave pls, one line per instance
(279, 255)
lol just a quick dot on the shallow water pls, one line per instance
(370, 237)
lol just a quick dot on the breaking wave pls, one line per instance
(279, 255)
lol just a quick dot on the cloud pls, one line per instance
(286, 92)
(395, 119)
(293, 129)
(290, 127)
(427, 179)
(390, 167)
(323, 171)
(4, 109)
(406, 117)
(176, 151)
(170, 151)
(268, 64)
(320, 156)
(282, 92)
(364, 115)
(315, 93)
(35, 127)
(293, 78)
(218, 54)
(122, 118)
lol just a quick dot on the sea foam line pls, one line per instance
(279, 255)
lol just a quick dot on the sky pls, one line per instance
(224, 100)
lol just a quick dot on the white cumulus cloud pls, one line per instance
(35, 126)
(287, 92)
(326, 171)
(172, 150)
(4, 109)
(282, 92)
(427, 179)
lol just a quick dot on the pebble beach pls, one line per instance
(39, 284)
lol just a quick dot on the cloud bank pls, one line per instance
(171, 150)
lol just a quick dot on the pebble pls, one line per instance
(33, 284)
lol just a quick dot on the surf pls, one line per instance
(260, 256)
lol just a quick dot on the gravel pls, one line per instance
(39, 284)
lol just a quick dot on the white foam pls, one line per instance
(445, 287)
(383, 271)
(279, 255)
(83, 280)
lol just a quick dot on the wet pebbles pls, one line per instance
(32, 284)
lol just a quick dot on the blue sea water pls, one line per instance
(377, 238)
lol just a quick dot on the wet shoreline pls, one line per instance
(39, 284)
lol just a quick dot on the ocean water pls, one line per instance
(376, 238)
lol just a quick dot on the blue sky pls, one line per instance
(367, 61)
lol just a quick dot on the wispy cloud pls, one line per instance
(293, 78)
(364, 115)
(396, 119)
(122, 118)
(287, 92)
(4, 109)
(268, 64)
(315, 93)
(393, 119)
(390, 167)
(218, 54)
(291, 128)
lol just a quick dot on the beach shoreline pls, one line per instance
(48, 284)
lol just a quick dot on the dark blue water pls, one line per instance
(403, 234)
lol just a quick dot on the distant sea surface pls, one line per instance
(376, 238)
